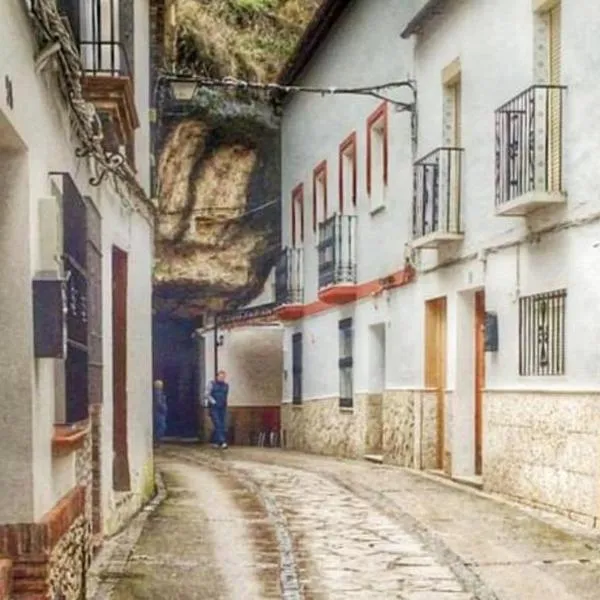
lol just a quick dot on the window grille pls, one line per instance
(297, 368)
(542, 333)
(346, 363)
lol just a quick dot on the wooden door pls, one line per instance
(479, 376)
(121, 476)
(435, 366)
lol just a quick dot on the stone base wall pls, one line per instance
(374, 433)
(400, 424)
(126, 505)
(322, 427)
(49, 557)
(69, 561)
(410, 428)
(544, 449)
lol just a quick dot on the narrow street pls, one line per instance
(264, 524)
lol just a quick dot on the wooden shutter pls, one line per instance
(554, 167)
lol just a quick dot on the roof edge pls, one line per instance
(429, 10)
(314, 35)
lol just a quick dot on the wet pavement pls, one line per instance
(260, 524)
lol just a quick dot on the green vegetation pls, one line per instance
(249, 39)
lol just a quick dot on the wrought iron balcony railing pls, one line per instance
(337, 251)
(529, 143)
(104, 59)
(437, 193)
(289, 277)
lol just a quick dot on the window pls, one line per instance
(347, 174)
(542, 334)
(451, 78)
(298, 216)
(377, 156)
(319, 194)
(346, 363)
(76, 375)
(297, 368)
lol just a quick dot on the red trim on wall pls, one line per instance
(319, 171)
(369, 288)
(379, 115)
(347, 148)
(298, 197)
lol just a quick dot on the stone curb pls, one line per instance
(110, 564)
(554, 518)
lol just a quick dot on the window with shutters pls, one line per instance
(347, 175)
(377, 157)
(346, 363)
(319, 194)
(554, 69)
(298, 216)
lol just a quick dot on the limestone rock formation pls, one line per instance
(218, 173)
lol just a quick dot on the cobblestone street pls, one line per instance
(264, 524)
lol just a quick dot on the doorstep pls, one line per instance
(374, 458)
(473, 481)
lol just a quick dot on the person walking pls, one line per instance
(159, 412)
(216, 400)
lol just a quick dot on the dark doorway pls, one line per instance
(177, 364)
(121, 477)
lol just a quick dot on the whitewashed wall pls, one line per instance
(38, 123)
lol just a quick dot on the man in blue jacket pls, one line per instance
(216, 400)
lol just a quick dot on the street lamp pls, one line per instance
(183, 89)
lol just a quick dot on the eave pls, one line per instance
(431, 9)
(314, 35)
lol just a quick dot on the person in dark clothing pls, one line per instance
(216, 401)
(160, 412)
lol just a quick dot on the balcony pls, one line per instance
(529, 134)
(108, 84)
(436, 199)
(337, 259)
(289, 284)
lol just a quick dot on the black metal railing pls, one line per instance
(529, 143)
(289, 277)
(437, 192)
(337, 250)
(104, 59)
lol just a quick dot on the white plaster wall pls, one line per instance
(40, 121)
(253, 360)
(314, 126)
(141, 33)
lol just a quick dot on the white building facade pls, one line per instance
(485, 362)
(76, 432)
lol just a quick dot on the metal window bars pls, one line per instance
(337, 250)
(542, 333)
(437, 192)
(529, 137)
(289, 277)
(346, 362)
(297, 368)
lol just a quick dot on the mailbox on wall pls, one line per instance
(491, 332)
(48, 316)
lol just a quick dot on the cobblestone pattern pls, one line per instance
(346, 549)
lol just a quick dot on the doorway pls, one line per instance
(376, 388)
(479, 376)
(435, 371)
(121, 476)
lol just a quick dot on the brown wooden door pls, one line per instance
(479, 376)
(435, 366)
(121, 478)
